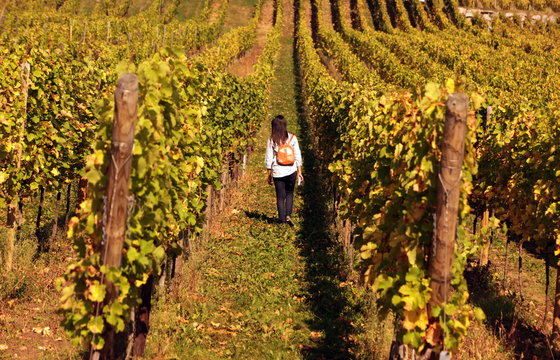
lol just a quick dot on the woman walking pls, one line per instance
(283, 163)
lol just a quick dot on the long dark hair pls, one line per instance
(279, 130)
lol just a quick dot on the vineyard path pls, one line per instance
(258, 289)
(244, 65)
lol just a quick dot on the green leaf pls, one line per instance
(114, 317)
(98, 342)
(96, 325)
(413, 339)
(132, 254)
(97, 292)
(159, 254)
(141, 167)
(93, 176)
(479, 314)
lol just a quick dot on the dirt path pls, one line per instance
(215, 10)
(29, 326)
(244, 65)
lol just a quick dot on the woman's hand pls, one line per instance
(299, 176)
(269, 177)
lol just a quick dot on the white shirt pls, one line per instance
(271, 163)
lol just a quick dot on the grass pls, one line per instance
(189, 9)
(239, 12)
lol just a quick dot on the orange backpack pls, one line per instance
(285, 154)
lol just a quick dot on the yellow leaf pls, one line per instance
(450, 86)
(416, 318)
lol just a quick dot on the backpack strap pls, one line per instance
(290, 139)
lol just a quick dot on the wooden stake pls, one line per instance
(485, 252)
(55, 224)
(81, 192)
(116, 204)
(448, 190)
(556, 316)
(143, 318)
(67, 208)
(20, 214)
(520, 268)
(8, 251)
(508, 239)
(116, 207)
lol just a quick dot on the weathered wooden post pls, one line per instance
(448, 191)
(116, 204)
(485, 251)
(556, 310)
(109, 31)
(84, 32)
(71, 25)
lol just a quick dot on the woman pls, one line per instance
(279, 168)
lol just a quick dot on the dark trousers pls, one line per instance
(285, 195)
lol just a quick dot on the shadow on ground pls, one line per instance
(258, 215)
(332, 305)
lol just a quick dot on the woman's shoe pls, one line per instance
(289, 221)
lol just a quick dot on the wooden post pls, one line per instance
(8, 251)
(126, 98)
(20, 214)
(67, 208)
(448, 190)
(82, 191)
(54, 229)
(39, 217)
(109, 31)
(485, 252)
(209, 203)
(224, 177)
(116, 205)
(142, 320)
(155, 40)
(556, 316)
(556, 311)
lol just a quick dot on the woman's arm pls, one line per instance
(269, 160)
(299, 160)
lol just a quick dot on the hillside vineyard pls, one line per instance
(130, 129)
